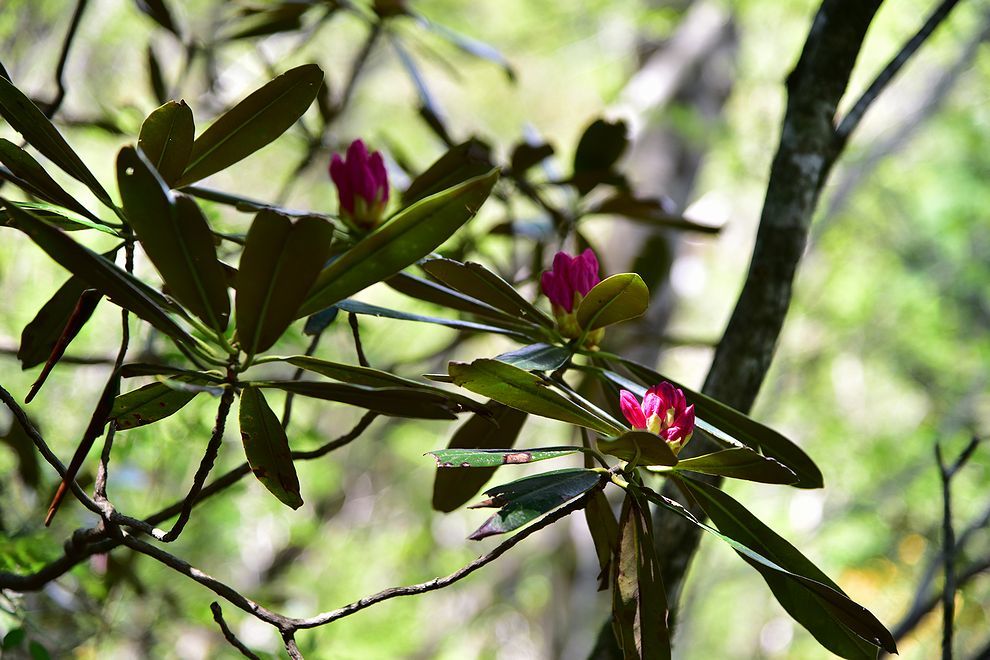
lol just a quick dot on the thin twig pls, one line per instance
(289, 639)
(56, 102)
(290, 396)
(205, 465)
(855, 114)
(352, 320)
(228, 634)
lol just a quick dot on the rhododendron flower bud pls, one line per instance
(566, 285)
(362, 186)
(664, 411)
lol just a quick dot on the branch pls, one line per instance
(855, 115)
(352, 320)
(228, 634)
(70, 35)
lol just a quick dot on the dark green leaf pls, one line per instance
(285, 17)
(739, 463)
(148, 404)
(159, 12)
(394, 401)
(462, 162)
(500, 428)
(649, 211)
(38, 650)
(59, 217)
(478, 282)
(536, 357)
(601, 145)
(841, 625)
(319, 322)
(253, 123)
(13, 639)
(176, 237)
(267, 448)
(422, 289)
(280, 263)
(358, 307)
(524, 391)
(406, 238)
(530, 497)
(613, 300)
(639, 601)
(719, 419)
(486, 458)
(42, 334)
(644, 447)
(122, 288)
(156, 77)
(166, 139)
(526, 155)
(134, 369)
(25, 118)
(81, 312)
(604, 532)
(42, 185)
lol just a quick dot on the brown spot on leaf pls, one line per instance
(518, 457)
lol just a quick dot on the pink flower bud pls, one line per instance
(362, 185)
(664, 411)
(570, 276)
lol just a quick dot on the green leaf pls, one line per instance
(394, 401)
(281, 260)
(646, 448)
(409, 236)
(61, 218)
(478, 282)
(486, 458)
(122, 288)
(134, 369)
(253, 123)
(438, 294)
(613, 300)
(462, 162)
(284, 17)
(526, 155)
(148, 404)
(600, 146)
(499, 428)
(648, 211)
(166, 139)
(176, 237)
(530, 497)
(80, 314)
(267, 448)
(39, 182)
(739, 463)
(25, 118)
(13, 639)
(524, 391)
(536, 357)
(604, 532)
(639, 601)
(719, 419)
(839, 624)
(43, 332)
(159, 12)
(358, 307)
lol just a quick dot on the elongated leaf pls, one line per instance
(500, 428)
(613, 300)
(280, 262)
(83, 309)
(253, 123)
(394, 401)
(122, 288)
(176, 237)
(267, 448)
(408, 237)
(43, 332)
(639, 602)
(530, 497)
(25, 118)
(644, 447)
(134, 369)
(159, 12)
(739, 463)
(462, 162)
(486, 458)
(422, 289)
(166, 139)
(604, 532)
(649, 211)
(156, 77)
(59, 217)
(358, 307)
(30, 171)
(524, 391)
(283, 17)
(536, 357)
(471, 46)
(478, 282)
(148, 404)
(717, 417)
(841, 625)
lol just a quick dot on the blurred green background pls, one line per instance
(885, 350)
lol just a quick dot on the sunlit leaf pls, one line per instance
(536, 357)
(613, 300)
(646, 448)
(486, 458)
(166, 138)
(267, 448)
(148, 404)
(358, 307)
(438, 294)
(739, 463)
(406, 238)
(42, 185)
(253, 123)
(462, 162)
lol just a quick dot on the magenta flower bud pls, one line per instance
(362, 185)
(566, 285)
(664, 412)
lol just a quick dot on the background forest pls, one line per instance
(883, 356)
